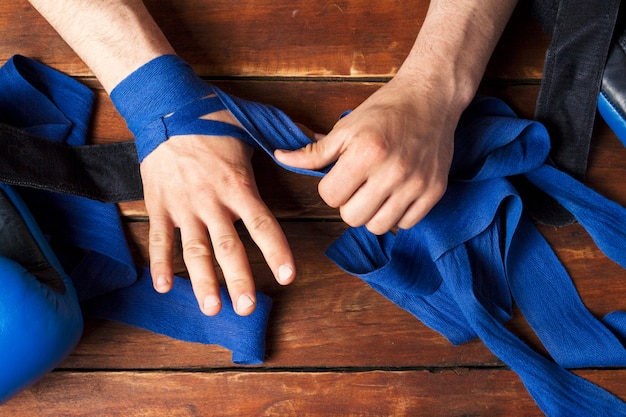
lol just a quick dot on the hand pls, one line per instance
(203, 185)
(392, 153)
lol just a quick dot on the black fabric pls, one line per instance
(108, 173)
(18, 244)
(614, 78)
(544, 11)
(581, 32)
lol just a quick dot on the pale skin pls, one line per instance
(392, 153)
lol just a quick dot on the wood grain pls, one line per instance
(316, 393)
(273, 38)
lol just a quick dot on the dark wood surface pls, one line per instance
(334, 345)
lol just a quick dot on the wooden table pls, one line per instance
(335, 347)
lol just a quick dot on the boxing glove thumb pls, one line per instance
(40, 317)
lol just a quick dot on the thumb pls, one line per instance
(313, 156)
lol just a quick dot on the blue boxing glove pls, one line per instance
(40, 318)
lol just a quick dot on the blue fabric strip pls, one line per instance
(612, 116)
(488, 253)
(268, 127)
(164, 98)
(107, 281)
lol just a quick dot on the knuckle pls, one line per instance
(226, 245)
(376, 227)
(439, 188)
(195, 248)
(374, 148)
(432, 191)
(261, 223)
(332, 191)
(409, 222)
(418, 185)
(232, 182)
(381, 223)
(328, 194)
(238, 284)
(237, 178)
(403, 168)
(399, 173)
(159, 238)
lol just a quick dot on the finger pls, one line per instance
(346, 177)
(269, 237)
(231, 256)
(363, 204)
(160, 244)
(315, 155)
(420, 208)
(378, 205)
(197, 257)
(382, 199)
(406, 206)
(388, 215)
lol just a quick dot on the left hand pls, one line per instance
(203, 185)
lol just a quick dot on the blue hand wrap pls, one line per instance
(463, 266)
(165, 98)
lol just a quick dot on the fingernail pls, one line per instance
(284, 273)
(244, 303)
(210, 301)
(162, 283)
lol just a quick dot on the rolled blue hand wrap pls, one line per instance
(164, 98)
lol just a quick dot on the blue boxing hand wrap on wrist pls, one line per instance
(164, 98)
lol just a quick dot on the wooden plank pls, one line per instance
(316, 105)
(475, 392)
(262, 38)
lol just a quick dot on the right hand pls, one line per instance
(391, 157)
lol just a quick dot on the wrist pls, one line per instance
(153, 91)
(448, 90)
(453, 47)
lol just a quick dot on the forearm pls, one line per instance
(454, 45)
(113, 38)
